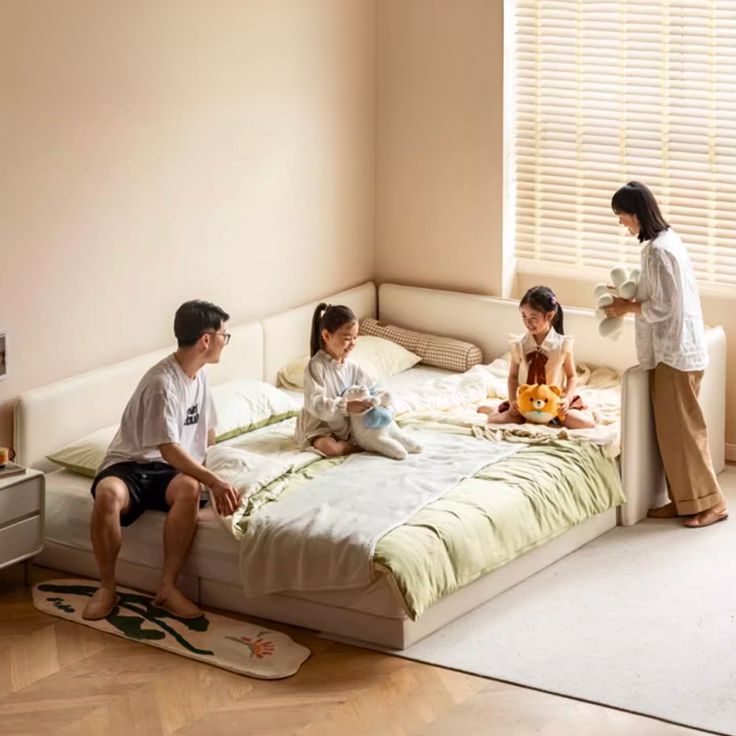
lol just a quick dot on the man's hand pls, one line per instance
(358, 407)
(618, 308)
(225, 498)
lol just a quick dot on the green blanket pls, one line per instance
(507, 509)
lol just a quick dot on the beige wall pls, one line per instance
(153, 151)
(439, 151)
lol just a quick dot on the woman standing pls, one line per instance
(670, 343)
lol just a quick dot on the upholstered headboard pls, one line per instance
(489, 321)
(49, 417)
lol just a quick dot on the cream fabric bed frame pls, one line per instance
(51, 416)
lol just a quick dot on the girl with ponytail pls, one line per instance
(323, 422)
(543, 354)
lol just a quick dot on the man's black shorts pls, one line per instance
(146, 482)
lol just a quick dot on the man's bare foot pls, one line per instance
(177, 604)
(668, 511)
(707, 517)
(100, 605)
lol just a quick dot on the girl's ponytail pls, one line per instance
(557, 322)
(315, 337)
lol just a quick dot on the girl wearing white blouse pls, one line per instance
(323, 423)
(670, 343)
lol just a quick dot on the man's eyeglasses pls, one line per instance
(225, 335)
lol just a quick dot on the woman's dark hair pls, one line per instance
(331, 318)
(543, 299)
(637, 199)
(196, 317)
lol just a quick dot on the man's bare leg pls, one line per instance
(182, 495)
(111, 500)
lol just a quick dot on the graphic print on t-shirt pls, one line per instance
(192, 415)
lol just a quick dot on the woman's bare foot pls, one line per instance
(707, 517)
(668, 511)
(177, 604)
(485, 410)
(100, 605)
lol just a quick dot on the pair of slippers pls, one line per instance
(702, 519)
(99, 607)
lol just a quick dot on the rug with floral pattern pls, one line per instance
(238, 646)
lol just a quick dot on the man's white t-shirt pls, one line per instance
(166, 407)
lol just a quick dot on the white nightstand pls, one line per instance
(21, 516)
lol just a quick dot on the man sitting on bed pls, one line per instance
(155, 459)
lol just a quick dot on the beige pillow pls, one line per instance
(378, 357)
(246, 404)
(242, 406)
(85, 455)
(441, 352)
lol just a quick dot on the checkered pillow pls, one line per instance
(441, 352)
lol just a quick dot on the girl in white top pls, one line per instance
(323, 422)
(670, 342)
(543, 354)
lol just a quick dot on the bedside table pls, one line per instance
(22, 501)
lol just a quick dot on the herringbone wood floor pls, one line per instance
(63, 679)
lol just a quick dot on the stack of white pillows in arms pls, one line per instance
(625, 283)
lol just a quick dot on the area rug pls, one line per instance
(222, 641)
(642, 619)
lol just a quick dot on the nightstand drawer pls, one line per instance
(22, 498)
(20, 540)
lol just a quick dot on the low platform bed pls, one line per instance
(52, 416)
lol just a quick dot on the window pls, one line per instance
(607, 92)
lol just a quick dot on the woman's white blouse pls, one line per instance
(670, 327)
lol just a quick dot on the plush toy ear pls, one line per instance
(619, 274)
(600, 290)
(628, 289)
(556, 390)
(523, 388)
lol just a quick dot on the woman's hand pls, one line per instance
(619, 307)
(358, 407)
(564, 404)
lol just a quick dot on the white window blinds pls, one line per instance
(607, 92)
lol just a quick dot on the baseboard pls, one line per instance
(730, 452)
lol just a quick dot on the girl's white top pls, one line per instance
(555, 347)
(670, 328)
(325, 407)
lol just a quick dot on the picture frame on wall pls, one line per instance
(3, 354)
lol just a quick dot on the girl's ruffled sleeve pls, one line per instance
(515, 348)
(567, 345)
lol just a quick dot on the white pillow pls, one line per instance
(378, 357)
(85, 455)
(241, 406)
(246, 404)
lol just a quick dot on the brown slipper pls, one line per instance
(668, 511)
(177, 605)
(705, 518)
(100, 605)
